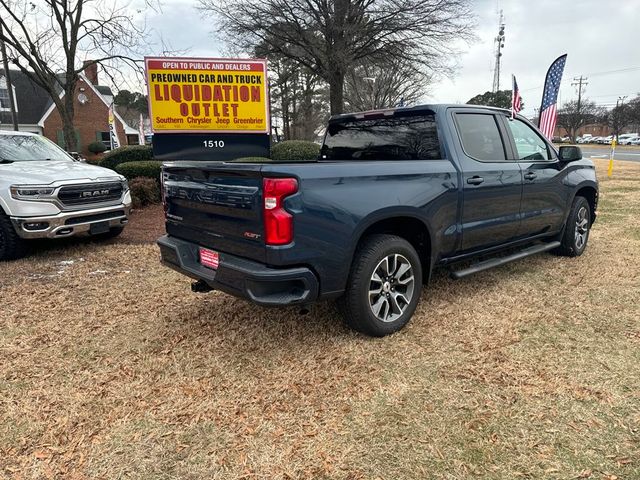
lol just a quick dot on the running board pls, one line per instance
(496, 262)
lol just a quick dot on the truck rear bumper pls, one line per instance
(66, 224)
(240, 277)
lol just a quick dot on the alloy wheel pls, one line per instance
(391, 287)
(582, 227)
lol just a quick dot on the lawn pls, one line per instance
(111, 368)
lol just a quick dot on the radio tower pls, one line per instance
(499, 41)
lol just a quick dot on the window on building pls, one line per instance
(105, 137)
(398, 138)
(4, 95)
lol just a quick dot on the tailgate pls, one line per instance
(216, 205)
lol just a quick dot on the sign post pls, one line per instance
(208, 109)
(611, 155)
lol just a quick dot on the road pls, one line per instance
(622, 153)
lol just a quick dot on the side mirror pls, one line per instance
(570, 153)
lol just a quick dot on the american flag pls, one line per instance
(549, 109)
(516, 99)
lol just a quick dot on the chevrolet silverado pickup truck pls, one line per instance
(393, 195)
(45, 193)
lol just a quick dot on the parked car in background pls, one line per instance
(393, 195)
(635, 141)
(46, 193)
(586, 138)
(627, 139)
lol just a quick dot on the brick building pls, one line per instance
(37, 113)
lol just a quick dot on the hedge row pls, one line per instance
(295, 151)
(144, 191)
(128, 153)
(146, 169)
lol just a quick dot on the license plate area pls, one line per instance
(98, 228)
(209, 258)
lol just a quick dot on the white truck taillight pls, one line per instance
(278, 223)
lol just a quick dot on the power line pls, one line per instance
(594, 74)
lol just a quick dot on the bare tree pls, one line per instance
(46, 38)
(298, 97)
(383, 85)
(619, 117)
(576, 114)
(329, 37)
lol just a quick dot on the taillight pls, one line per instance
(278, 223)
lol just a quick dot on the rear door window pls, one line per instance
(480, 136)
(396, 138)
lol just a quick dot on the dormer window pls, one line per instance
(5, 106)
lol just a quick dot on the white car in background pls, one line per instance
(45, 193)
(628, 139)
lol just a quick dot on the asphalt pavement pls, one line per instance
(622, 152)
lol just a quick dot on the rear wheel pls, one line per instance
(11, 245)
(576, 231)
(384, 286)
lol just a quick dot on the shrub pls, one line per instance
(128, 153)
(295, 150)
(149, 169)
(144, 191)
(251, 160)
(96, 147)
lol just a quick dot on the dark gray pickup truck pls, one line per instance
(393, 195)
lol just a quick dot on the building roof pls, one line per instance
(35, 104)
(32, 99)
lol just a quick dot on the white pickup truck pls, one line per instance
(45, 193)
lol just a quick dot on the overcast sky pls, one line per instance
(600, 38)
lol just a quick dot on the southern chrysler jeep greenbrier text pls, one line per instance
(394, 194)
(45, 193)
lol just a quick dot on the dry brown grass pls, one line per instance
(110, 368)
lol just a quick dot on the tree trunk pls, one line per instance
(336, 93)
(67, 113)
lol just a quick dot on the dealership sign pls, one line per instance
(207, 95)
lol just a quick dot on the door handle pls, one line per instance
(475, 180)
(530, 176)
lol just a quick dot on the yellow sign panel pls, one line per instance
(204, 95)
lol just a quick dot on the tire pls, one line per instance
(112, 233)
(384, 286)
(12, 246)
(576, 231)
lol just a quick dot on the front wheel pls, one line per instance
(576, 231)
(384, 286)
(11, 245)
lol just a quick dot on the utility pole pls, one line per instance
(7, 78)
(618, 116)
(499, 40)
(580, 82)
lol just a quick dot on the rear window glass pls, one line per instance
(396, 138)
(480, 136)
